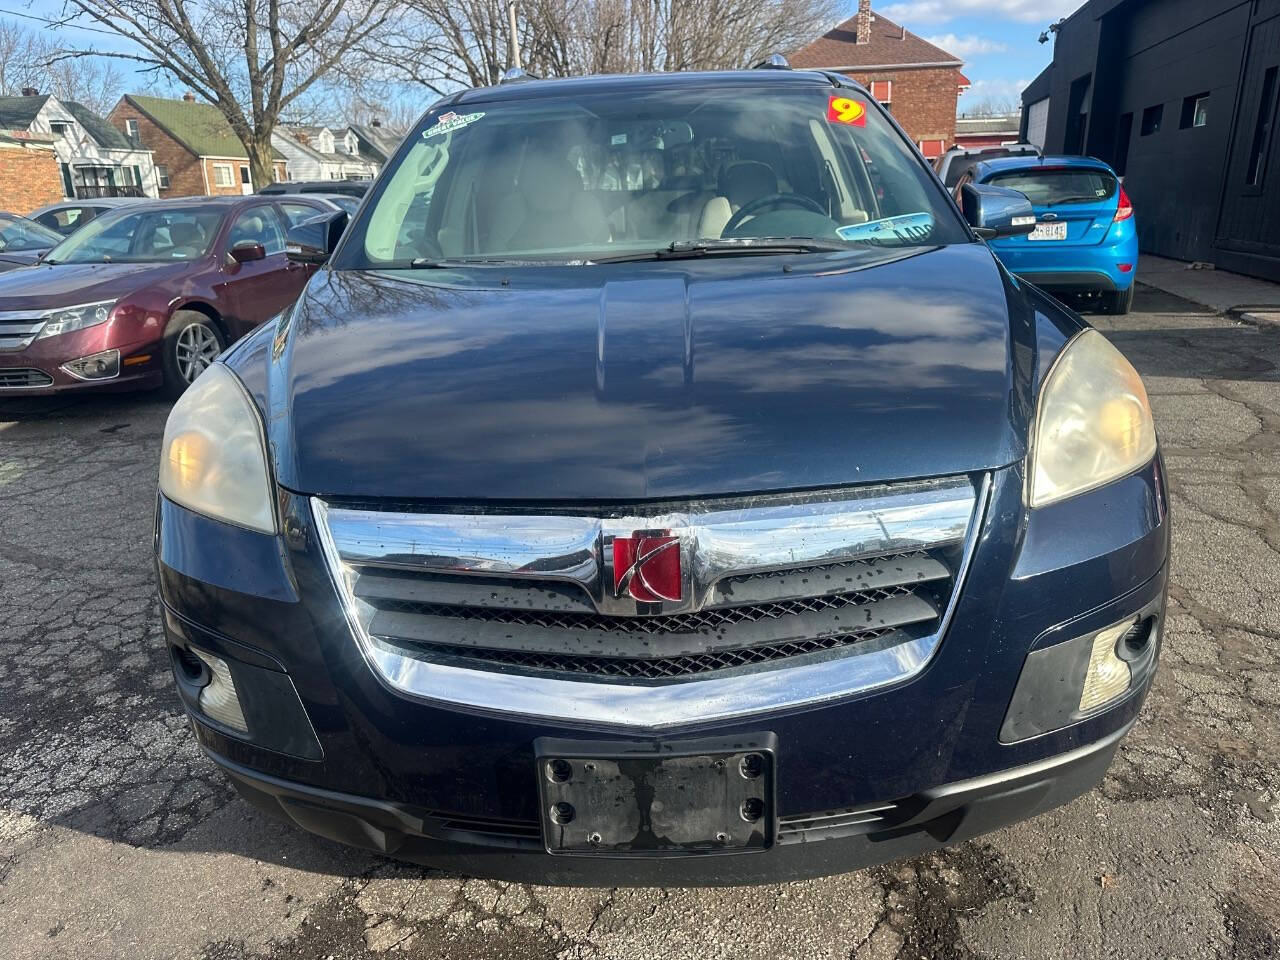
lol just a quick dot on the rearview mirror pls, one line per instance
(996, 211)
(314, 240)
(247, 250)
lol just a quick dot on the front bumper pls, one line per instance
(455, 785)
(39, 368)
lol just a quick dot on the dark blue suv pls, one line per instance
(663, 483)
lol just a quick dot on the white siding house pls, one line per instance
(95, 158)
(322, 153)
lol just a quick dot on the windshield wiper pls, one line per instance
(1075, 200)
(444, 263)
(743, 246)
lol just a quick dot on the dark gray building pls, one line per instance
(1180, 96)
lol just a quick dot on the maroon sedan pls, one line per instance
(148, 295)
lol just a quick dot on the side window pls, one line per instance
(295, 213)
(258, 224)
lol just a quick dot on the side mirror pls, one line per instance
(996, 211)
(312, 241)
(247, 250)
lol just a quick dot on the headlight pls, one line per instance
(1094, 422)
(213, 459)
(67, 319)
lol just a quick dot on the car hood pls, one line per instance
(20, 258)
(650, 381)
(44, 286)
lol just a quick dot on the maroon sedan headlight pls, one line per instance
(69, 319)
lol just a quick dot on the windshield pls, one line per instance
(604, 175)
(179, 233)
(19, 234)
(1046, 187)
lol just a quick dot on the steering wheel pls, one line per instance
(772, 200)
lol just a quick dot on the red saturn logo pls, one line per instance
(647, 568)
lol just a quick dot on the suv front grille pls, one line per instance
(770, 580)
(659, 624)
(10, 377)
(653, 668)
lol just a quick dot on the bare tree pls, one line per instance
(467, 43)
(252, 59)
(29, 59)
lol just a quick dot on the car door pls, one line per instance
(258, 289)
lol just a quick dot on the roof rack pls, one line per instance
(775, 61)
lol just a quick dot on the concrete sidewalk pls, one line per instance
(1248, 297)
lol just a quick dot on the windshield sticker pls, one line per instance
(907, 228)
(449, 122)
(845, 110)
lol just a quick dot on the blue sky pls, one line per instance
(995, 38)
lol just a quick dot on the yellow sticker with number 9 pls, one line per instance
(846, 110)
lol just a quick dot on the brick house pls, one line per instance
(917, 81)
(30, 175)
(194, 149)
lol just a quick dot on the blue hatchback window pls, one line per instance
(1047, 188)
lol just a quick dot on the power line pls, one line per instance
(59, 23)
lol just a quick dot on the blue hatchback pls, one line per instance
(1085, 239)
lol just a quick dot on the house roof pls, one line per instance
(200, 127)
(381, 141)
(291, 131)
(890, 45)
(98, 128)
(999, 123)
(18, 113)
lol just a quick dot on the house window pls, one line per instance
(68, 184)
(222, 176)
(1151, 118)
(59, 128)
(131, 127)
(882, 92)
(162, 175)
(1195, 111)
(244, 175)
(1262, 130)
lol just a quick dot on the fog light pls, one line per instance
(1107, 675)
(96, 366)
(218, 698)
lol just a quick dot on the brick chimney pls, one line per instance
(301, 137)
(189, 97)
(864, 21)
(30, 92)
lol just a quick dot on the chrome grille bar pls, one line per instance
(755, 536)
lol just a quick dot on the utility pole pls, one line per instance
(515, 39)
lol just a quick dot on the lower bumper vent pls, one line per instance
(27, 377)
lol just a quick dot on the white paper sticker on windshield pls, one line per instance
(449, 122)
(906, 228)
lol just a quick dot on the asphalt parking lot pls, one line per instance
(118, 840)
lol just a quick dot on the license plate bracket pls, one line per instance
(663, 799)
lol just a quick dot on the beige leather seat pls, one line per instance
(740, 183)
(548, 210)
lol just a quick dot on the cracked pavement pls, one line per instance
(118, 840)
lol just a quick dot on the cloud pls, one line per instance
(940, 11)
(966, 46)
